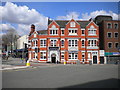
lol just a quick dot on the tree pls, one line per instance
(9, 39)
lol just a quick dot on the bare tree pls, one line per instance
(10, 38)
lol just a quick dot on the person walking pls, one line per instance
(26, 57)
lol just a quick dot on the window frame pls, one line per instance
(111, 45)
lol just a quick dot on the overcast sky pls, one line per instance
(20, 15)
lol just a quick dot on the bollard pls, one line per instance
(64, 63)
(28, 63)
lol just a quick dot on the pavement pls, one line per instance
(17, 63)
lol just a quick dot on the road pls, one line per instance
(62, 76)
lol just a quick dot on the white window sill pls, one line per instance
(53, 34)
(92, 35)
(42, 59)
(72, 59)
(42, 46)
(72, 34)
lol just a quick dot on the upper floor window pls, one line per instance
(83, 32)
(73, 43)
(53, 32)
(62, 31)
(91, 32)
(62, 43)
(116, 26)
(42, 43)
(35, 42)
(116, 34)
(116, 45)
(53, 43)
(109, 35)
(92, 43)
(109, 25)
(83, 42)
(72, 24)
(72, 31)
(109, 44)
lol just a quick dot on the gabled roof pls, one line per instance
(42, 32)
(62, 23)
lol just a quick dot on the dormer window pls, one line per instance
(53, 30)
(72, 24)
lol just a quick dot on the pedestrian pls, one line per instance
(26, 57)
(22, 59)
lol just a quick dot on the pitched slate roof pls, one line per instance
(62, 23)
(42, 32)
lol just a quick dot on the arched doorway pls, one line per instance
(53, 58)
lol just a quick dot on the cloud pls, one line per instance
(93, 14)
(19, 14)
(23, 16)
(6, 27)
(70, 15)
(87, 16)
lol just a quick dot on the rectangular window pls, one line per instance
(62, 55)
(89, 55)
(92, 43)
(83, 42)
(53, 32)
(109, 25)
(109, 35)
(53, 43)
(35, 43)
(43, 43)
(62, 43)
(73, 43)
(91, 32)
(73, 56)
(83, 32)
(116, 34)
(116, 26)
(73, 31)
(43, 55)
(83, 55)
(35, 55)
(109, 44)
(62, 32)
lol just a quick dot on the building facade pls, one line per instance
(70, 41)
(109, 37)
(21, 41)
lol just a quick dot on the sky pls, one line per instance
(20, 15)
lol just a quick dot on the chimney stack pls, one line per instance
(32, 28)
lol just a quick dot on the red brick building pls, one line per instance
(65, 40)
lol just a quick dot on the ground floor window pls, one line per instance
(83, 55)
(62, 55)
(34, 55)
(43, 55)
(73, 56)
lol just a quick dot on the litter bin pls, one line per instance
(90, 62)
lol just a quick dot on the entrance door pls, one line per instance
(53, 58)
(94, 59)
(101, 60)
